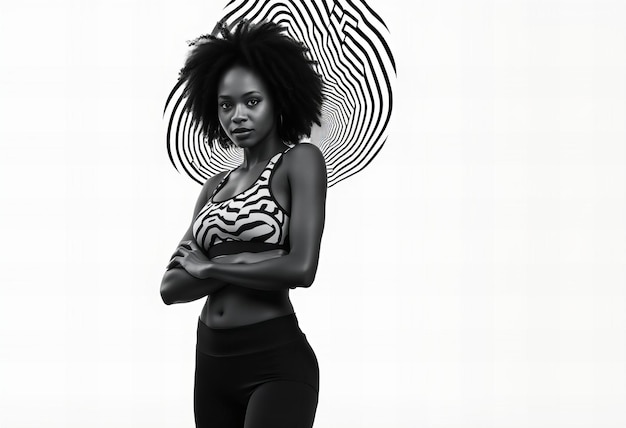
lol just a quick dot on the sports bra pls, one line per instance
(251, 221)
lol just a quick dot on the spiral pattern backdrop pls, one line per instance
(346, 38)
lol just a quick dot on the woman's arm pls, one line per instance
(306, 172)
(177, 285)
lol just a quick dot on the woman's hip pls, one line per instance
(253, 354)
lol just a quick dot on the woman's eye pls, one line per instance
(253, 102)
(224, 106)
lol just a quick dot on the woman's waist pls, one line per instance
(249, 338)
(234, 306)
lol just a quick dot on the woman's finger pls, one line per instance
(177, 253)
(173, 263)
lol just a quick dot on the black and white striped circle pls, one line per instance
(346, 38)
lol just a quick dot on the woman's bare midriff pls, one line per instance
(234, 306)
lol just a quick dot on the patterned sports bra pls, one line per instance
(251, 221)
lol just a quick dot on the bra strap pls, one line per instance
(276, 158)
(220, 184)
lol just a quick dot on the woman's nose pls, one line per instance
(239, 114)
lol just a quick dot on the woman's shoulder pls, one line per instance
(212, 182)
(305, 162)
(305, 155)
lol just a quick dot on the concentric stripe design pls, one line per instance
(346, 38)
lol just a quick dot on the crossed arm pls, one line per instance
(179, 286)
(191, 275)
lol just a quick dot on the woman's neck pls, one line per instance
(260, 153)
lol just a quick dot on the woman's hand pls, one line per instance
(191, 258)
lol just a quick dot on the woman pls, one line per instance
(256, 230)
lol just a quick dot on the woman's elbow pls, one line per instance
(307, 275)
(167, 299)
(166, 296)
(166, 291)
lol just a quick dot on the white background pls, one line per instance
(472, 276)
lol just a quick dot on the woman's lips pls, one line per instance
(241, 132)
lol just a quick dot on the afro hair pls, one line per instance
(280, 61)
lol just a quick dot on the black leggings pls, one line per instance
(259, 375)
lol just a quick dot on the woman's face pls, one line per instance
(244, 108)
